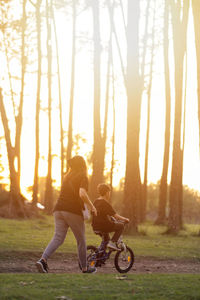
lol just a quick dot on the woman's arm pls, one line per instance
(84, 196)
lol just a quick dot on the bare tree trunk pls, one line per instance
(97, 156)
(49, 190)
(142, 203)
(70, 138)
(196, 18)
(16, 203)
(144, 186)
(106, 101)
(113, 135)
(16, 206)
(183, 147)
(37, 124)
(7, 63)
(19, 118)
(179, 24)
(111, 8)
(60, 100)
(132, 189)
(112, 24)
(163, 184)
(145, 40)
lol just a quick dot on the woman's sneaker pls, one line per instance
(90, 270)
(42, 266)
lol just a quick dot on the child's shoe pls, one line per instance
(113, 246)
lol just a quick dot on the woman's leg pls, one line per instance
(77, 225)
(61, 228)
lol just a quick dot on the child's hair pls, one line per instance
(103, 188)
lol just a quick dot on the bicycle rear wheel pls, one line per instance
(124, 260)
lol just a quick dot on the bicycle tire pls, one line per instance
(130, 259)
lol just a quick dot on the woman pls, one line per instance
(68, 213)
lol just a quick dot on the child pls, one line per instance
(102, 222)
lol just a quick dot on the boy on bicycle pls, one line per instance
(104, 220)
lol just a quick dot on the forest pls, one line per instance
(115, 81)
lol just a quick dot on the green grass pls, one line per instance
(99, 286)
(34, 235)
(23, 236)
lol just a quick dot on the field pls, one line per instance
(166, 267)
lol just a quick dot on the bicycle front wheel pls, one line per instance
(124, 260)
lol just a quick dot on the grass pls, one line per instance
(24, 236)
(34, 235)
(101, 286)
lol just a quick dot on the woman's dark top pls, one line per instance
(101, 221)
(69, 199)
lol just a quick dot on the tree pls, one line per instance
(163, 183)
(14, 153)
(144, 186)
(179, 26)
(196, 16)
(97, 155)
(37, 114)
(132, 188)
(114, 122)
(71, 105)
(49, 190)
(60, 99)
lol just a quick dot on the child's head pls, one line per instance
(103, 189)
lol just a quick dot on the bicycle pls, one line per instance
(97, 256)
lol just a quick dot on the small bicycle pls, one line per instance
(97, 256)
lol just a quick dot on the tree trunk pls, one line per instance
(97, 155)
(19, 118)
(179, 25)
(163, 183)
(144, 186)
(113, 135)
(196, 18)
(132, 189)
(49, 190)
(7, 63)
(60, 99)
(71, 105)
(16, 207)
(109, 63)
(37, 125)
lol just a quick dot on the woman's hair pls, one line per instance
(77, 164)
(103, 188)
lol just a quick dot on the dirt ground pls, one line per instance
(24, 262)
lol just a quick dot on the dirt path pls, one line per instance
(24, 262)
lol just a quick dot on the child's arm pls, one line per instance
(84, 196)
(120, 218)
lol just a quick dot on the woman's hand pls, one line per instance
(84, 196)
(93, 210)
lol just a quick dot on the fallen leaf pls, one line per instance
(23, 283)
(123, 277)
(63, 298)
